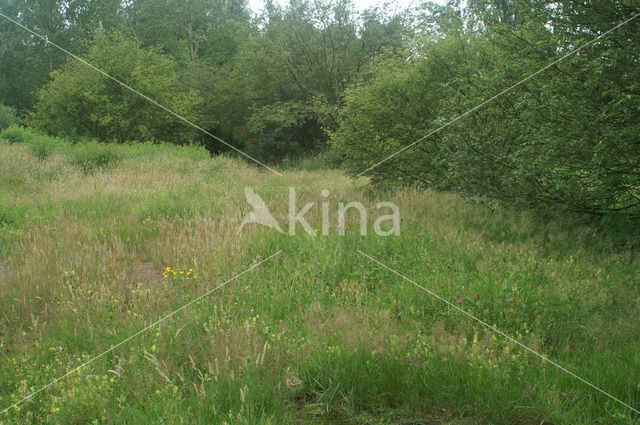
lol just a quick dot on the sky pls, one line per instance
(256, 5)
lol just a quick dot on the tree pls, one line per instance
(26, 60)
(568, 138)
(80, 101)
(278, 92)
(184, 28)
(8, 117)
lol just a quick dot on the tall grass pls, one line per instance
(319, 334)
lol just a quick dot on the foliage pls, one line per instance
(301, 58)
(82, 102)
(285, 130)
(188, 30)
(16, 134)
(325, 160)
(26, 61)
(300, 55)
(555, 141)
(92, 155)
(8, 117)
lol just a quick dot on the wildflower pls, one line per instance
(315, 278)
(459, 301)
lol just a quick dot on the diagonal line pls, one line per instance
(501, 93)
(138, 333)
(499, 332)
(140, 94)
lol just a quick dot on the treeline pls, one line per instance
(269, 84)
(318, 76)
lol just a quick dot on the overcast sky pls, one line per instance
(256, 5)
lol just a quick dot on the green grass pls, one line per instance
(90, 254)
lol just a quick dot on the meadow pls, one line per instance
(98, 241)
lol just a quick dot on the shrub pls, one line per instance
(325, 160)
(91, 155)
(43, 146)
(15, 134)
(81, 102)
(8, 214)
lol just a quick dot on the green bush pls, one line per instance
(15, 134)
(133, 149)
(78, 101)
(8, 117)
(91, 155)
(8, 214)
(43, 146)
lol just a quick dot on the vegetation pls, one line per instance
(8, 117)
(555, 142)
(79, 101)
(318, 334)
(520, 204)
(294, 81)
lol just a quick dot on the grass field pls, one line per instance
(99, 241)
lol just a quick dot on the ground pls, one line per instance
(93, 250)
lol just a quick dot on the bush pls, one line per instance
(5, 216)
(15, 134)
(78, 101)
(8, 117)
(8, 214)
(44, 146)
(90, 154)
